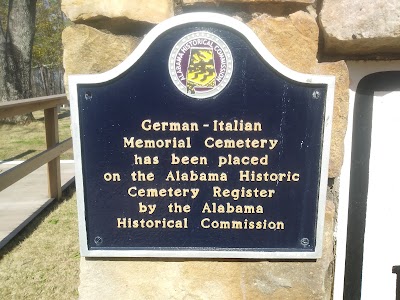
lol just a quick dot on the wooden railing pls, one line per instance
(396, 270)
(51, 155)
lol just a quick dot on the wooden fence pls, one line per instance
(51, 155)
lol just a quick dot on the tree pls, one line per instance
(16, 41)
(47, 46)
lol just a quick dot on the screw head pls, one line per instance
(304, 242)
(88, 96)
(316, 94)
(98, 240)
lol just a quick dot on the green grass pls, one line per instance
(21, 142)
(42, 262)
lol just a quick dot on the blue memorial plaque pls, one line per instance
(201, 144)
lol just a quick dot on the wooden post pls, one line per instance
(396, 270)
(53, 166)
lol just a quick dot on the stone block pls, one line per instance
(361, 27)
(294, 42)
(88, 50)
(145, 279)
(151, 11)
(191, 2)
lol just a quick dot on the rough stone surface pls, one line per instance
(294, 42)
(223, 280)
(88, 50)
(152, 11)
(340, 112)
(191, 2)
(361, 27)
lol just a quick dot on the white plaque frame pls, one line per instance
(248, 34)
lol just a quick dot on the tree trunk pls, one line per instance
(16, 53)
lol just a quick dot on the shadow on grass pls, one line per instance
(18, 156)
(63, 115)
(33, 225)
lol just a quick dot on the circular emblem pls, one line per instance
(200, 64)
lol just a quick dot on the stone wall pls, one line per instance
(368, 29)
(307, 36)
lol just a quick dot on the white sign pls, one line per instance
(382, 237)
